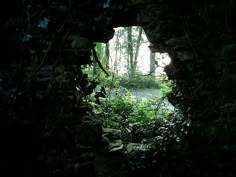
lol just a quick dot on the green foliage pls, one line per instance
(139, 82)
(165, 87)
(119, 109)
(167, 144)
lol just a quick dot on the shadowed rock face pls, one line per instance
(44, 45)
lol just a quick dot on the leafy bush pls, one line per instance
(165, 87)
(167, 142)
(139, 82)
(120, 109)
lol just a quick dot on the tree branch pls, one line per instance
(98, 62)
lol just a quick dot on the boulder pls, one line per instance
(134, 149)
(116, 146)
(112, 134)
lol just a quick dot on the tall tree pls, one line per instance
(152, 63)
(138, 43)
(133, 46)
(107, 55)
(99, 50)
(117, 51)
(130, 51)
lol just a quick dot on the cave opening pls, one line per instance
(51, 111)
(133, 107)
(137, 88)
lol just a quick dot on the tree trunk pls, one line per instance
(117, 46)
(140, 30)
(130, 52)
(152, 63)
(107, 55)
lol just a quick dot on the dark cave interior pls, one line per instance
(47, 129)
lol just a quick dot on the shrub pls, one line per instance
(139, 82)
(121, 110)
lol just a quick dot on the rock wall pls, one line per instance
(199, 36)
(44, 120)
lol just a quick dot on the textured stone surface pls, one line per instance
(44, 44)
